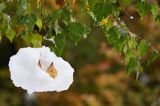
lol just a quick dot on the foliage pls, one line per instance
(38, 24)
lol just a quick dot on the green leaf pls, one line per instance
(102, 10)
(22, 6)
(65, 14)
(143, 47)
(10, 35)
(128, 54)
(39, 23)
(61, 14)
(111, 1)
(34, 39)
(60, 40)
(2, 7)
(93, 2)
(125, 2)
(143, 8)
(155, 54)
(112, 35)
(132, 43)
(115, 10)
(76, 31)
(28, 20)
(133, 66)
(154, 10)
(121, 43)
(117, 38)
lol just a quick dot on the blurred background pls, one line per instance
(99, 78)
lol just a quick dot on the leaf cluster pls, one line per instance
(39, 25)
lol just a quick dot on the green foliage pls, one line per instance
(128, 54)
(115, 38)
(143, 47)
(112, 35)
(132, 43)
(133, 65)
(155, 10)
(28, 20)
(33, 39)
(22, 7)
(153, 56)
(125, 2)
(37, 24)
(104, 9)
(10, 35)
(60, 40)
(2, 7)
(143, 8)
(76, 31)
